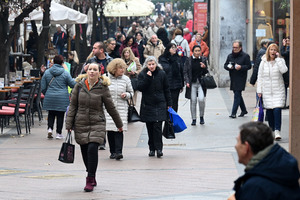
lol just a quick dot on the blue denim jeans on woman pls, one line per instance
(274, 118)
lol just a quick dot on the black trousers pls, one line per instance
(175, 97)
(238, 102)
(89, 154)
(60, 115)
(115, 141)
(155, 135)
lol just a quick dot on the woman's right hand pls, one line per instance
(188, 85)
(259, 95)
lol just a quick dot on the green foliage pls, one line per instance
(184, 4)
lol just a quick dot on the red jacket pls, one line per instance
(189, 25)
(188, 37)
(204, 47)
(134, 49)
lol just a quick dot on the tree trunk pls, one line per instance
(7, 38)
(95, 20)
(43, 37)
(77, 40)
(85, 52)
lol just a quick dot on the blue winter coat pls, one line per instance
(275, 177)
(56, 95)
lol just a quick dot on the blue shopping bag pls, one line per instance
(178, 123)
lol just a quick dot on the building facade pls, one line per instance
(249, 21)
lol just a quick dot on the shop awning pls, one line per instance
(59, 14)
(128, 8)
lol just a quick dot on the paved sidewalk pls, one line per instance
(200, 163)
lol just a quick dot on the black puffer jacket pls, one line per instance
(260, 53)
(238, 78)
(156, 96)
(174, 70)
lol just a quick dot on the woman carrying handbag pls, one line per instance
(86, 117)
(156, 98)
(194, 70)
(120, 90)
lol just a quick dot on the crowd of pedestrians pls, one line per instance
(155, 61)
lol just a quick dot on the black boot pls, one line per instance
(193, 122)
(201, 120)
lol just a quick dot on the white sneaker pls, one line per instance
(50, 133)
(59, 136)
(277, 135)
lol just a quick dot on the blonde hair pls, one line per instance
(268, 51)
(115, 64)
(75, 57)
(90, 56)
(131, 54)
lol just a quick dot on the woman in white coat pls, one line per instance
(270, 86)
(120, 90)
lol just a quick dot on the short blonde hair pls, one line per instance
(268, 51)
(115, 64)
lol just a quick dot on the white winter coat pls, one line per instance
(270, 82)
(118, 86)
(179, 40)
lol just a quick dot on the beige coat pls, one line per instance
(154, 50)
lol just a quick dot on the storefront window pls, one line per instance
(271, 21)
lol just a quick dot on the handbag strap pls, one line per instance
(53, 77)
(132, 103)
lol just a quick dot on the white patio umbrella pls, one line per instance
(59, 14)
(125, 8)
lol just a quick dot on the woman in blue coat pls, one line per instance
(156, 98)
(55, 84)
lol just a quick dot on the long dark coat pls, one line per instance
(156, 96)
(86, 111)
(238, 78)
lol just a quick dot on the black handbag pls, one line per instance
(168, 130)
(67, 151)
(133, 115)
(209, 81)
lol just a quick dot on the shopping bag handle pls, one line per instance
(69, 137)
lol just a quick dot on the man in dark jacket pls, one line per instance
(59, 40)
(238, 63)
(100, 57)
(261, 52)
(271, 173)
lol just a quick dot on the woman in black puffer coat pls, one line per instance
(156, 98)
(173, 67)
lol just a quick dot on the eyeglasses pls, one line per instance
(113, 43)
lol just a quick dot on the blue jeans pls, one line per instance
(238, 102)
(60, 50)
(274, 118)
